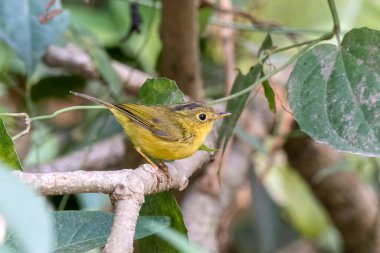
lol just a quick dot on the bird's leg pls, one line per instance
(160, 165)
(164, 168)
(138, 149)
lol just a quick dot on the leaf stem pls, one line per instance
(28, 120)
(67, 109)
(257, 28)
(334, 13)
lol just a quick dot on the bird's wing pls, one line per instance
(156, 121)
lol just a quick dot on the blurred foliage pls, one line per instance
(28, 219)
(98, 28)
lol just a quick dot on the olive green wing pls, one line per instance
(154, 118)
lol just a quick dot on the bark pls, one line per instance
(227, 36)
(180, 50)
(128, 202)
(351, 203)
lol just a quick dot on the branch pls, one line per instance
(76, 61)
(127, 187)
(128, 200)
(153, 180)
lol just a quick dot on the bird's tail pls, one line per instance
(91, 98)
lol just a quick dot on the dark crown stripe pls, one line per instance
(188, 106)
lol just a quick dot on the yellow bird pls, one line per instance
(164, 132)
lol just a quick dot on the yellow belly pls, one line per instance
(160, 148)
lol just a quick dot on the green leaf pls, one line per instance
(104, 65)
(204, 17)
(160, 91)
(269, 94)
(179, 241)
(236, 106)
(8, 154)
(335, 93)
(27, 216)
(268, 91)
(161, 204)
(21, 30)
(80, 231)
(205, 148)
(267, 44)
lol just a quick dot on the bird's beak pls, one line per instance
(219, 115)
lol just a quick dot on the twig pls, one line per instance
(226, 9)
(75, 60)
(27, 123)
(29, 120)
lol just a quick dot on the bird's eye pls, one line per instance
(202, 116)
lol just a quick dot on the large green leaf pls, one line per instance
(27, 216)
(235, 106)
(20, 28)
(162, 204)
(160, 91)
(334, 93)
(8, 153)
(80, 231)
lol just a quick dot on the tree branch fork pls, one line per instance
(126, 187)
